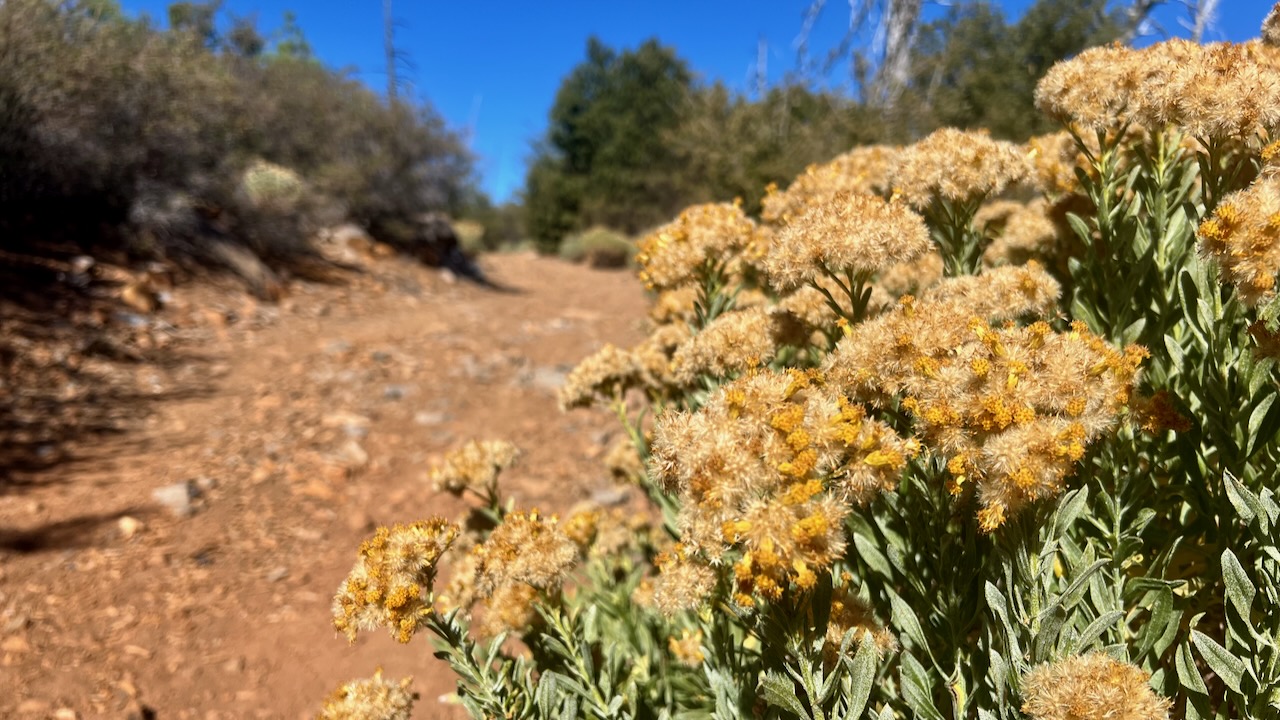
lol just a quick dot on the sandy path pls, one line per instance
(301, 427)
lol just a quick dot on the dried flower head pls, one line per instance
(475, 466)
(385, 588)
(654, 355)
(1011, 408)
(1054, 159)
(623, 461)
(766, 470)
(1243, 235)
(1271, 27)
(526, 548)
(1107, 87)
(370, 699)
(677, 305)
(851, 614)
(675, 253)
(604, 375)
(511, 608)
(733, 342)
(683, 584)
(687, 650)
(1091, 687)
(1025, 233)
(909, 278)
(863, 170)
(957, 166)
(849, 234)
(1221, 91)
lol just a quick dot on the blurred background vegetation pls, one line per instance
(116, 133)
(634, 136)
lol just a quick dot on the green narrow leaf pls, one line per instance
(1227, 666)
(780, 692)
(904, 618)
(917, 691)
(870, 554)
(1248, 506)
(1096, 628)
(1256, 422)
(1240, 590)
(862, 673)
(1188, 675)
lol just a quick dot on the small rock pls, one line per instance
(234, 665)
(206, 483)
(32, 707)
(430, 418)
(129, 526)
(65, 714)
(15, 644)
(359, 521)
(353, 455)
(396, 392)
(278, 574)
(548, 378)
(381, 357)
(353, 425)
(609, 497)
(448, 277)
(177, 497)
(337, 347)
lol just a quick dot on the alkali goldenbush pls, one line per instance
(898, 476)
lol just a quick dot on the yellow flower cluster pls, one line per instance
(1243, 235)
(524, 557)
(1021, 232)
(385, 588)
(475, 466)
(672, 255)
(731, 343)
(370, 699)
(863, 170)
(1222, 91)
(1054, 159)
(846, 234)
(958, 166)
(604, 375)
(850, 613)
(527, 548)
(1091, 687)
(768, 467)
(1011, 408)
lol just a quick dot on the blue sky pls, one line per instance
(491, 68)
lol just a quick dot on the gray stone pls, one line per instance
(178, 497)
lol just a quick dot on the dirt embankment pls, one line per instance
(183, 557)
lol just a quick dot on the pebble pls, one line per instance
(278, 574)
(430, 418)
(177, 497)
(129, 526)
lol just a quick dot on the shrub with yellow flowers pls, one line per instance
(961, 429)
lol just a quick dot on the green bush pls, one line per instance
(150, 133)
(598, 247)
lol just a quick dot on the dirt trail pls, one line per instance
(291, 431)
